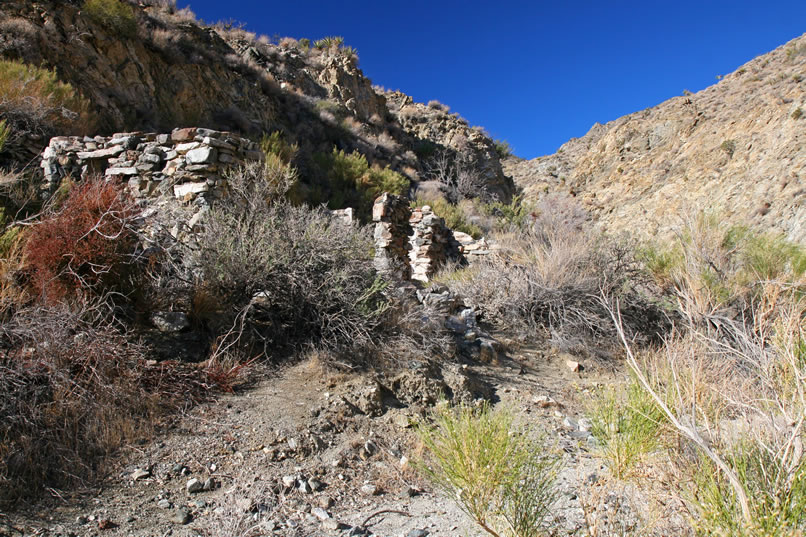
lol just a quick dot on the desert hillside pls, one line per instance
(736, 148)
(245, 292)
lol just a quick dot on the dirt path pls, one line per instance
(305, 452)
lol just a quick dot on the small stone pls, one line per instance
(369, 490)
(320, 513)
(544, 401)
(122, 171)
(210, 484)
(570, 424)
(164, 504)
(106, 524)
(410, 492)
(417, 533)
(194, 485)
(202, 155)
(585, 425)
(289, 481)
(81, 520)
(177, 468)
(139, 474)
(181, 516)
(573, 365)
(315, 484)
(304, 487)
(170, 321)
(325, 502)
(331, 524)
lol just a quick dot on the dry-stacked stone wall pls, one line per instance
(432, 244)
(186, 164)
(414, 244)
(392, 229)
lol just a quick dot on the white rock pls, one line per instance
(180, 191)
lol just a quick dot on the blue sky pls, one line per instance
(534, 73)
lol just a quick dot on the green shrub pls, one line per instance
(352, 182)
(503, 149)
(514, 215)
(500, 475)
(5, 130)
(34, 102)
(115, 15)
(797, 113)
(729, 147)
(777, 495)
(453, 215)
(627, 425)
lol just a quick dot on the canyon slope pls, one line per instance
(736, 149)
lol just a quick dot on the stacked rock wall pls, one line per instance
(432, 244)
(414, 244)
(392, 229)
(186, 164)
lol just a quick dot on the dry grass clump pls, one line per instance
(73, 389)
(730, 381)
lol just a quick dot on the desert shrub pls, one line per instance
(73, 389)
(459, 173)
(500, 475)
(516, 214)
(777, 495)
(797, 113)
(436, 105)
(85, 245)
(352, 182)
(715, 271)
(34, 102)
(5, 131)
(729, 147)
(295, 273)
(550, 279)
(115, 15)
(627, 425)
(453, 215)
(503, 149)
(730, 382)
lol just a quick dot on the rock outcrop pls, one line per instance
(737, 148)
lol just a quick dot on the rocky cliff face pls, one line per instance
(737, 147)
(171, 72)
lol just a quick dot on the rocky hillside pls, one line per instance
(737, 147)
(153, 68)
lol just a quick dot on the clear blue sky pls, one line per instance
(534, 73)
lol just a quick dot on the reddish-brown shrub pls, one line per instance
(86, 245)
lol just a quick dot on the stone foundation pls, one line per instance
(186, 164)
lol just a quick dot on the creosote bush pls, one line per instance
(115, 15)
(354, 183)
(500, 475)
(86, 245)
